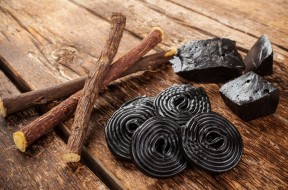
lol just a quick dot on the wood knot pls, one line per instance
(67, 59)
(66, 55)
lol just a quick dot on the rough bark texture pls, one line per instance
(38, 97)
(91, 90)
(37, 48)
(64, 110)
(92, 87)
(15, 103)
(135, 54)
(46, 122)
(151, 62)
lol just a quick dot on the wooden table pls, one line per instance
(48, 42)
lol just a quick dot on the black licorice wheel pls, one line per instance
(121, 126)
(155, 148)
(181, 102)
(141, 100)
(211, 142)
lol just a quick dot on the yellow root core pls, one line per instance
(3, 110)
(71, 157)
(171, 52)
(20, 141)
(160, 30)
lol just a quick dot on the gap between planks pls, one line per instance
(18, 82)
(224, 24)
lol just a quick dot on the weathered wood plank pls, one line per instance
(240, 17)
(51, 48)
(41, 167)
(256, 170)
(270, 13)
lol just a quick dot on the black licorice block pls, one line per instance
(212, 60)
(260, 57)
(250, 96)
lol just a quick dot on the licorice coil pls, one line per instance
(155, 148)
(181, 102)
(121, 126)
(211, 142)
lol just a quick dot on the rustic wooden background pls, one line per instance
(48, 42)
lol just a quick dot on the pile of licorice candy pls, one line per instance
(166, 133)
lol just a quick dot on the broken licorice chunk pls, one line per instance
(211, 142)
(212, 60)
(121, 126)
(155, 148)
(260, 57)
(141, 100)
(250, 96)
(181, 102)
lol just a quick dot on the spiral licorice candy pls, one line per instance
(155, 148)
(211, 142)
(141, 100)
(121, 126)
(181, 102)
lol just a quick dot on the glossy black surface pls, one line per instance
(260, 57)
(181, 102)
(141, 100)
(121, 126)
(211, 142)
(155, 148)
(250, 96)
(212, 60)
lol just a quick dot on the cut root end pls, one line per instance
(171, 52)
(160, 30)
(20, 141)
(3, 110)
(71, 157)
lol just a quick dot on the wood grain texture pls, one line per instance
(250, 25)
(40, 167)
(49, 43)
(263, 165)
